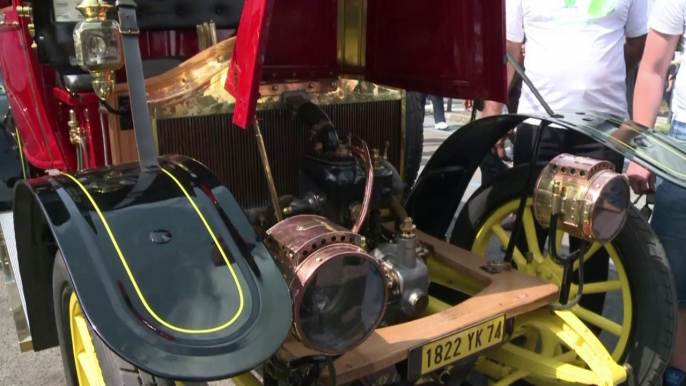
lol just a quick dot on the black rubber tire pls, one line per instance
(414, 137)
(653, 294)
(115, 370)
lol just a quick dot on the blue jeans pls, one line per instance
(669, 222)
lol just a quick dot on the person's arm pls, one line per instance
(633, 51)
(651, 75)
(496, 108)
(514, 20)
(648, 96)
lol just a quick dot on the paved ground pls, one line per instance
(45, 368)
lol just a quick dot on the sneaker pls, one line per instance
(441, 126)
(674, 377)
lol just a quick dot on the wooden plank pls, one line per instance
(510, 293)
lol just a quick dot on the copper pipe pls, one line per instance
(268, 171)
(363, 153)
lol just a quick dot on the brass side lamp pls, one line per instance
(98, 46)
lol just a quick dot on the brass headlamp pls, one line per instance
(339, 291)
(97, 43)
(586, 196)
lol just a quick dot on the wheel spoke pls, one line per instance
(542, 366)
(599, 287)
(504, 238)
(82, 328)
(89, 369)
(530, 232)
(595, 247)
(597, 320)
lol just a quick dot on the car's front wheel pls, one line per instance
(86, 359)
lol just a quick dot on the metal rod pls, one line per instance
(201, 36)
(519, 220)
(213, 33)
(79, 162)
(363, 153)
(104, 138)
(84, 151)
(267, 171)
(528, 82)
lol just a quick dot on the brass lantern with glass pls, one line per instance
(97, 43)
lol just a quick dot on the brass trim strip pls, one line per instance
(13, 293)
(21, 152)
(267, 171)
(352, 33)
(403, 132)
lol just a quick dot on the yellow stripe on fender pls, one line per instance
(133, 279)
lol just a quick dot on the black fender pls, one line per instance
(10, 162)
(165, 264)
(440, 188)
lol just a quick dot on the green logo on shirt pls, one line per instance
(584, 11)
(601, 8)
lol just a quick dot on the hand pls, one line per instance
(499, 148)
(523, 50)
(468, 104)
(641, 180)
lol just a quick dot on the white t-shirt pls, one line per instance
(575, 51)
(669, 17)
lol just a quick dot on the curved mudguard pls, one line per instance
(443, 182)
(166, 266)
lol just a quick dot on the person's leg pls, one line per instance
(439, 111)
(668, 222)
(552, 144)
(490, 167)
(599, 264)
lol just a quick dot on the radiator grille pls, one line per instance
(231, 152)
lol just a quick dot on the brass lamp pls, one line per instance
(588, 198)
(97, 43)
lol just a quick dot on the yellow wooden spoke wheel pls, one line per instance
(542, 266)
(86, 360)
(536, 337)
(628, 295)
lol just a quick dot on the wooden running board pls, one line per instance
(510, 293)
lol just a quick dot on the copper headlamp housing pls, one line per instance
(588, 197)
(339, 291)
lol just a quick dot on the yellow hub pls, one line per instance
(86, 361)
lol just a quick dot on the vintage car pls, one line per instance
(226, 190)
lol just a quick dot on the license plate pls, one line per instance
(456, 346)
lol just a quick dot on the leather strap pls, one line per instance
(147, 154)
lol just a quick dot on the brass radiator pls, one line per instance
(231, 152)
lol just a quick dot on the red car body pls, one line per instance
(452, 49)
